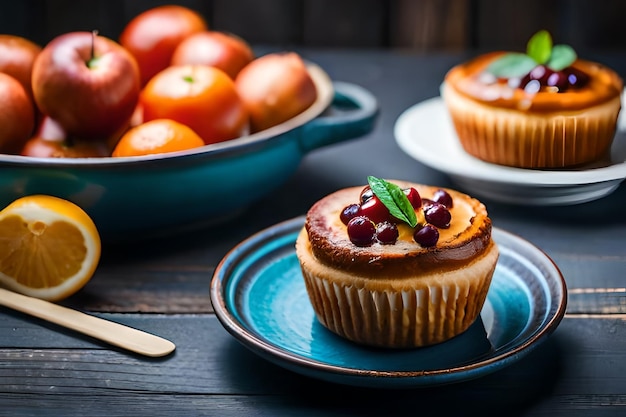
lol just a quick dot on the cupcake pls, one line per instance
(395, 264)
(545, 108)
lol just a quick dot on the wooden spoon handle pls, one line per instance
(114, 333)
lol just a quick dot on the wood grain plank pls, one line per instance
(508, 25)
(25, 18)
(583, 366)
(349, 23)
(275, 406)
(158, 277)
(420, 25)
(277, 22)
(590, 24)
(64, 16)
(135, 7)
(595, 284)
(584, 24)
(594, 287)
(428, 25)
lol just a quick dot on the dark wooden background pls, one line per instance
(423, 25)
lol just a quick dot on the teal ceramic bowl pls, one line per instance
(134, 197)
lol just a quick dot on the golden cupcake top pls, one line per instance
(397, 227)
(546, 78)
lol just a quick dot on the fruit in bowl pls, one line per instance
(17, 115)
(275, 87)
(88, 83)
(95, 89)
(199, 96)
(17, 55)
(157, 136)
(153, 35)
(222, 50)
(46, 145)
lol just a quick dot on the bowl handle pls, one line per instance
(351, 114)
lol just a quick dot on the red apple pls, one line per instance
(17, 55)
(225, 51)
(51, 141)
(62, 148)
(152, 36)
(275, 88)
(17, 115)
(89, 84)
(50, 129)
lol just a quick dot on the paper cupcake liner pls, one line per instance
(397, 319)
(523, 140)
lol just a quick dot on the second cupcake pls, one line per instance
(545, 108)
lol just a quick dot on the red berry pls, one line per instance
(558, 80)
(349, 212)
(366, 194)
(375, 210)
(576, 78)
(387, 233)
(541, 74)
(438, 215)
(414, 197)
(426, 236)
(442, 197)
(361, 231)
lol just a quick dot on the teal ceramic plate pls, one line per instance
(259, 297)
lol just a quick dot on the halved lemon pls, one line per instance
(49, 247)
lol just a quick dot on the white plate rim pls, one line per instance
(433, 121)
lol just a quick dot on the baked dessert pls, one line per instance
(546, 108)
(370, 281)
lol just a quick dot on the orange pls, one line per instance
(49, 247)
(200, 96)
(157, 136)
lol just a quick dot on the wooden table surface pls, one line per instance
(162, 286)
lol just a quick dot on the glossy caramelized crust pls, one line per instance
(468, 237)
(468, 79)
(500, 124)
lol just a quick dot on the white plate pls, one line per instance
(425, 132)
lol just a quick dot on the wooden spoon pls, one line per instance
(114, 333)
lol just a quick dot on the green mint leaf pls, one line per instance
(394, 199)
(512, 65)
(539, 47)
(562, 57)
(539, 51)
